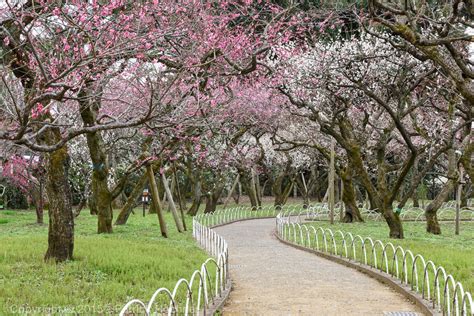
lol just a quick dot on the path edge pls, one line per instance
(380, 276)
(220, 302)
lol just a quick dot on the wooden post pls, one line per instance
(304, 183)
(253, 187)
(331, 183)
(180, 199)
(458, 201)
(156, 200)
(341, 210)
(173, 209)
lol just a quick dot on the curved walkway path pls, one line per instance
(270, 278)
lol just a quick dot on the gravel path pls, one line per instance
(270, 278)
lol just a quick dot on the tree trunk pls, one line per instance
(197, 197)
(246, 182)
(393, 221)
(371, 202)
(80, 207)
(37, 199)
(416, 202)
(92, 202)
(432, 224)
(352, 213)
(179, 197)
(132, 198)
(238, 193)
(287, 191)
(89, 99)
(277, 189)
(212, 199)
(431, 212)
(104, 205)
(211, 204)
(61, 216)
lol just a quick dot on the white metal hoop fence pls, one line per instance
(194, 296)
(433, 282)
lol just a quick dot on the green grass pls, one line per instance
(107, 270)
(454, 253)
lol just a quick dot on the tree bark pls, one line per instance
(92, 203)
(246, 182)
(132, 198)
(180, 199)
(352, 212)
(197, 197)
(238, 193)
(100, 192)
(431, 212)
(61, 216)
(277, 189)
(416, 202)
(37, 199)
(394, 223)
(287, 191)
(213, 198)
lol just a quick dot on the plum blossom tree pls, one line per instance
(365, 94)
(59, 59)
(438, 31)
(26, 173)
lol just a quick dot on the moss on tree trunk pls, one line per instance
(394, 223)
(352, 213)
(61, 216)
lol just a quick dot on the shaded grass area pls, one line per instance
(107, 270)
(454, 253)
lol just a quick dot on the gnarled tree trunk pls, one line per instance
(352, 213)
(432, 224)
(128, 207)
(282, 190)
(197, 197)
(37, 196)
(101, 196)
(247, 185)
(61, 216)
(394, 222)
(212, 199)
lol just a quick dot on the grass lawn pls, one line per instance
(454, 253)
(107, 270)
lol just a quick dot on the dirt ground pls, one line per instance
(270, 278)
